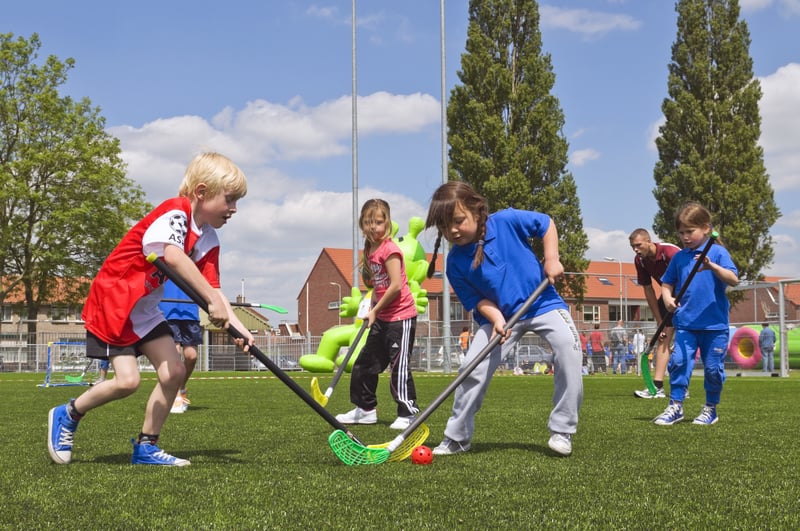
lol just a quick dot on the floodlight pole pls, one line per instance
(446, 331)
(355, 153)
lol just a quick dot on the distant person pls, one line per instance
(183, 319)
(121, 313)
(619, 347)
(701, 319)
(463, 339)
(766, 342)
(487, 251)
(651, 262)
(596, 342)
(102, 373)
(638, 343)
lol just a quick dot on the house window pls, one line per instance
(591, 313)
(456, 310)
(6, 314)
(59, 313)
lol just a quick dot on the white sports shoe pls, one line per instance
(645, 393)
(179, 405)
(401, 423)
(560, 443)
(358, 416)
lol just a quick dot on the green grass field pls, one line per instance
(260, 460)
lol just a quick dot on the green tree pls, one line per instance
(708, 150)
(64, 198)
(505, 125)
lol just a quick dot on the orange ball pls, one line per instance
(421, 455)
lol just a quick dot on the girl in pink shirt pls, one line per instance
(392, 324)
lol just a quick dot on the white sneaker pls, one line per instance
(645, 393)
(178, 406)
(358, 416)
(560, 443)
(401, 423)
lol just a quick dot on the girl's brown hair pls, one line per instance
(368, 211)
(441, 211)
(693, 214)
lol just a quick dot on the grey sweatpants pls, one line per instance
(557, 328)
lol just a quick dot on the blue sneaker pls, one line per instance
(707, 417)
(61, 430)
(672, 415)
(150, 454)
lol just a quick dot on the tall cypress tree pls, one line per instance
(707, 147)
(505, 125)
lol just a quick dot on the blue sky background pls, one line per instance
(269, 84)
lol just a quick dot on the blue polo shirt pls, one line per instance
(510, 271)
(704, 305)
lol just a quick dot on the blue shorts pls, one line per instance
(186, 333)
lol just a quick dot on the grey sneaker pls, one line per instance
(560, 443)
(645, 393)
(450, 447)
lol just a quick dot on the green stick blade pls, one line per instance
(351, 453)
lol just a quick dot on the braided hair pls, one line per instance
(442, 209)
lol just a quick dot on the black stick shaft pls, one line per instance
(253, 350)
(347, 356)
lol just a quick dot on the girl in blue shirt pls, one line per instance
(493, 270)
(701, 318)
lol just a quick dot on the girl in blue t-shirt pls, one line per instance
(493, 270)
(701, 318)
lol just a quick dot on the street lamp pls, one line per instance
(610, 259)
(339, 300)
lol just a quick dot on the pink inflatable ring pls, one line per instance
(744, 350)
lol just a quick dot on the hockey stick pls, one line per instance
(79, 379)
(276, 309)
(396, 443)
(357, 453)
(644, 362)
(315, 391)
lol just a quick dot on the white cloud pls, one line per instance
(652, 134)
(582, 156)
(589, 23)
(754, 5)
(284, 222)
(780, 131)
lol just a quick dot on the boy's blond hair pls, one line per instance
(217, 172)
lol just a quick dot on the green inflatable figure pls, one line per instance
(333, 339)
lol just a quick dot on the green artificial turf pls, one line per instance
(260, 460)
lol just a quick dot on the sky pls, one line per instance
(269, 84)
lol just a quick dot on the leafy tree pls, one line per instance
(505, 125)
(707, 147)
(64, 198)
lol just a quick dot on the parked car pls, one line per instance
(525, 356)
(282, 362)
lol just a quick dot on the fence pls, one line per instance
(429, 354)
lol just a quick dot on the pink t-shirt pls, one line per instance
(402, 307)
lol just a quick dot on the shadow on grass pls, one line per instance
(207, 456)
